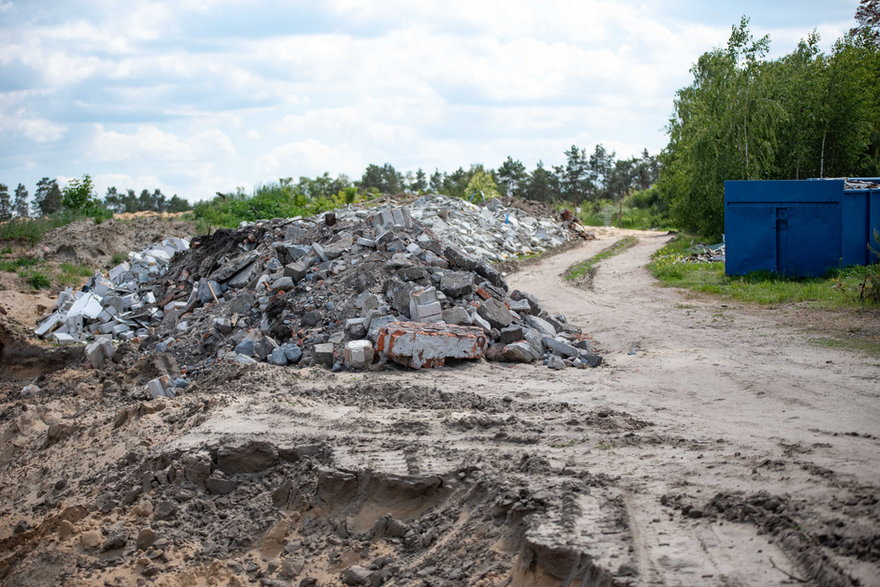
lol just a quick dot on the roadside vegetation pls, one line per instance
(587, 268)
(847, 287)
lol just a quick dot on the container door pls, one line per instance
(807, 239)
(750, 239)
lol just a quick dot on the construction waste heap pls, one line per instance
(347, 289)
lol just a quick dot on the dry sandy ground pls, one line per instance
(715, 446)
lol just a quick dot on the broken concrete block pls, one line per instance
(234, 266)
(510, 334)
(324, 354)
(456, 284)
(522, 306)
(458, 259)
(377, 323)
(590, 359)
(88, 305)
(358, 354)
(64, 338)
(282, 283)
(209, 291)
(413, 274)
(99, 352)
(519, 352)
(431, 312)
(479, 321)
(277, 357)
(495, 313)
(559, 348)
(555, 362)
(296, 270)
(419, 345)
(541, 325)
(49, 324)
(160, 387)
(292, 352)
(456, 315)
(243, 277)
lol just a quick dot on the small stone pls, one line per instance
(324, 354)
(277, 357)
(495, 313)
(91, 539)
(555, 362)
(356, 575)
(116, 539)
(66, 529)
(165, 510)
(292, 352)
(146, 538)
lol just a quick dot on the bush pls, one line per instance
(38, 280)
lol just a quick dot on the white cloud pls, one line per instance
(150, 143)
(39, 130)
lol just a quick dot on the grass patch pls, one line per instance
(16, 265)
(868, 346)
(588, 267)
(118, 258)
(38, 280)
(31, 230)
(70, 274)
(841, 288)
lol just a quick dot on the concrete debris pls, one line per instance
(374, 285)
(419, 345)
(160, 387)
(118, 306)
(701, 253)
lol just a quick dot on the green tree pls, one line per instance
(79, 194)
(419, 184)
(542, 185)
(178, 204)
(575, 183)
(20, 205)
(512, 177)
(5, 204)
(481, 187)
(47, 197)
(386, 179)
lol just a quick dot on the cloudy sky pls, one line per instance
(199, 96)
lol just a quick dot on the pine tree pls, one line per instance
(20, 205)
(5, 204)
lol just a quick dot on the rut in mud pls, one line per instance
(715, 447)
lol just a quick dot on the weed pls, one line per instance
(6, 251)
(13, 265)
(118, 258)
(38, 280)
(71, 274)
(588, 267)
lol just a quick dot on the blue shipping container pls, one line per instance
(799, 228)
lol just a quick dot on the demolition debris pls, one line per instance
(350, 289)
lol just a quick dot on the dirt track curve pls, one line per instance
(713, 447)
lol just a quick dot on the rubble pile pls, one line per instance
(119, 306)
(701, 253)
(348, 289)
(492, 233)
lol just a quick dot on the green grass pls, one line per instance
(14, 265)
(589, 266)
(31, 230)
(71, 274)
(839, 289)
(38, 280)
(118, 258)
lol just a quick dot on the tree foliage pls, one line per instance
(5, 203)
(746, 117)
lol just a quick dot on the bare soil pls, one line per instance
(716, 445)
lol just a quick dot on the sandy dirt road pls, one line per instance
(714, 446)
